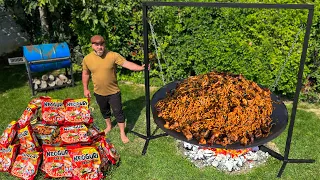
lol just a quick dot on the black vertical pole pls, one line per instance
(146, 73)
(298, 88)
(147, 137)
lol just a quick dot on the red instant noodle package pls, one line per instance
(86, 163)
(106, 149)
(53, 111)
(26, 165)
(110, 151)
(28, 140)
(28, 114)
(8, 135)
(37, 101)
(56, 162)
(74, 134)
(77, 111)
(7, 156)
(99, 145)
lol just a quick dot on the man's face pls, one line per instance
(98, 47)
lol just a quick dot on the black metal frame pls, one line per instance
(43, 62)
(285, 159)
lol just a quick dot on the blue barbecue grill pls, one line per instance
(45, 57)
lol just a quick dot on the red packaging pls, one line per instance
(107, 149)
(93, 131)
(74, 134)
(53, 111)
(28, 114)
(8, 134)
(77, 111)
(111, 151)
(28, 140)
(99, 145)
(86, 163)
(37, 101)
(7, 157)
(56, 162)
(26, 165)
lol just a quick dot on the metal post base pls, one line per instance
(147, 138)
(283, 159)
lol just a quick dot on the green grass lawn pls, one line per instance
(162, 160)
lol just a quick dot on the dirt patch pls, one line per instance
(152, 88)
(306, 107)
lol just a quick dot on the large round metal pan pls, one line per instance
(279, 118)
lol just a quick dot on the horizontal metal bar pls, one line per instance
(42, 61)
(301, 161)
(139, 135)
(271, 152)
(231, 5)
(159, 135)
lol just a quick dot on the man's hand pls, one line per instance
(87, 93)
(143, 65)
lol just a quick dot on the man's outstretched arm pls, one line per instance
(132, 66)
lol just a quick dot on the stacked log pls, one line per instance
(50, 80)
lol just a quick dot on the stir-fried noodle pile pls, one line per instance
(218, 108)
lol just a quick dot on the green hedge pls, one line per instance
(253, 42)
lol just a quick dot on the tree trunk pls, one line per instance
(44, 21)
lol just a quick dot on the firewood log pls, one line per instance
(51, 77)
(44, 77)
(36, 81)
(58, 82)
(63, 78)
(51, 83)
(43, 84)
(69, 81)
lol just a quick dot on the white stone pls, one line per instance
(236, 168)
(239, 161)
(211, 159)
(200, 156)
(228, 156)
(229, 165)
(207, 153)
(187, 145)
(195, 148)
(243, 159)
(218, 158)
(215, 163)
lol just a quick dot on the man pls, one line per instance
(101, 64)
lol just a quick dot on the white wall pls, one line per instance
(11, 36)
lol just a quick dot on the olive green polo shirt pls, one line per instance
(103, 71)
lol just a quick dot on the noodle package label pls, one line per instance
(26, 165)
(74, 134)
(86, 163)
(28, 140)
(53, 111)
(56, 162)
(8, 135)
(7, 156)
(77, 111)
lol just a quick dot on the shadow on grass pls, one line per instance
(17, 76)
(12, 77)
(132, 110)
